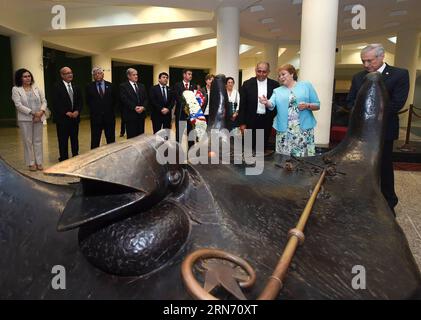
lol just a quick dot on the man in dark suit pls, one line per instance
(396, 81)
(206, 93)
(180, 115)
(67, 105)
(252, 114)
(133, 104)
(162, 101)
(101, 100)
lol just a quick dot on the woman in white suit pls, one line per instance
(31, 107)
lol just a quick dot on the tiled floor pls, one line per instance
(408, 184)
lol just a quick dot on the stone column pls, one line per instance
(317, 57)
(104, 62)
(271, 56)
(406, 56)
(228, 41)
(27, 52)
(157, 69)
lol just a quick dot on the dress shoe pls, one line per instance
(33, 168)
(40, 167)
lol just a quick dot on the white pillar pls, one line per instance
(406, 56)
(317, 57)
(228, 41)
(213, 71)
(27, 52)
(271, 56)
(157, 69)
(104, 62)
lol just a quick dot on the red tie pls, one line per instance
(186, 86)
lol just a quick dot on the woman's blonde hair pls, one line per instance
(291, 70)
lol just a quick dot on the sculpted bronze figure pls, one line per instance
(125, 229)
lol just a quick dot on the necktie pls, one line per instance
(70, 93)
(136, 89)
(101, 93)
(186, 86)
(164, 94)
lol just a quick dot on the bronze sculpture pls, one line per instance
(138, 220)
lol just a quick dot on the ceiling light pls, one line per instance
(257, 8)
(393, 39)
(349, 7)
(281, 51)
(398, 13)
(361, 47)
(391, 24)
(267, 20)
(260, 52)
(244, 48)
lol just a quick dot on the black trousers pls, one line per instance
(122, 127)
(265, 122)
(160, 121)
(106, 125)
(65, 130)
(135, 127)
(387, 176)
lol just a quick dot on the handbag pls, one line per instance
(47, 113)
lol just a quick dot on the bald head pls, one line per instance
(66, 74)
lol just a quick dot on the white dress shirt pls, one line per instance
(66, 84)
(206, 113)
(133, 86)
(262, 89)
(381, 69)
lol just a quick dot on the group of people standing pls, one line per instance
(286, 105)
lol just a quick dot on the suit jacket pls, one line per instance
(396, 81)
(248, 103)
(129, 101)
(21, 102)
(62, 103)
(205, 93)
(157, 100)
(101, 108)
(178, 90)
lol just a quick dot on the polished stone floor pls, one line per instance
(408, 183)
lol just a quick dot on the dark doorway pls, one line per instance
(176, 75)
(7, 110)
(81, 66)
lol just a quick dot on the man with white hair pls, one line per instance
(133, 100)
(101, 100)
(396, 81)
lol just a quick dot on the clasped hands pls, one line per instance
(164, 111)
(139, 109)
(36, 117)
(73, 114)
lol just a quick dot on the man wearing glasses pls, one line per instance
(67, 105)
